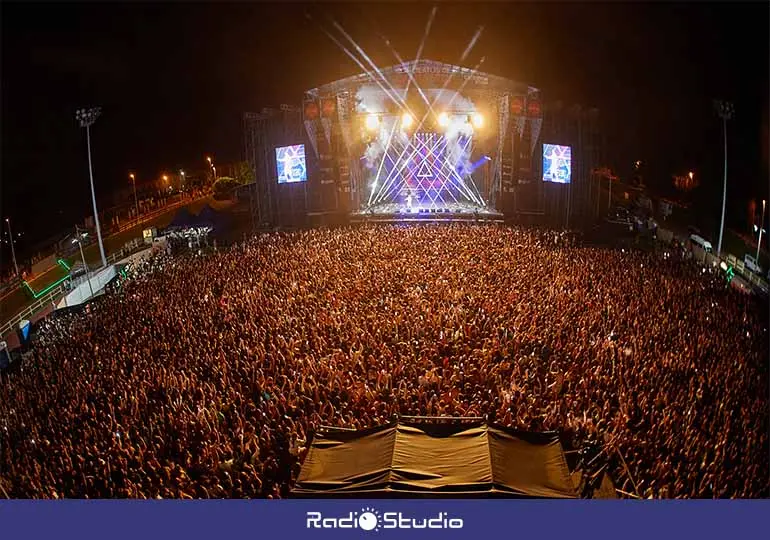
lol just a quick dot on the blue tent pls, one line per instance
(183, 219)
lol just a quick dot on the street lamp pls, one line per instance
(181, 180)
(761, 224)
(725, 110)
(136, 200)
(211, 164)
(87, 117)
(13, 251)
(79, 239)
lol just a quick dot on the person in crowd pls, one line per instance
(206, 376)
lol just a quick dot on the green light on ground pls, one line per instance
(38, 294)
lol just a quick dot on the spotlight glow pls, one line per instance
(407, 121)
(372, 122)
(477, 120)
(443, 120)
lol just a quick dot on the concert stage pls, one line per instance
(424, 140)
(449, 212)
(421, 140)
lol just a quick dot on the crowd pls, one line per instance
(206, 374)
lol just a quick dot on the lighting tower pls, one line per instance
(725, 110)
(87, 117)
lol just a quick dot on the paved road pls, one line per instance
(16, 300)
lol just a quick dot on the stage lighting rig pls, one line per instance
(443, 120)
(372, 122)
(477, 120)
(406, 121)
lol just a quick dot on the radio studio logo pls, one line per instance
(370, 519)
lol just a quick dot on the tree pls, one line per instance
(223, 186)
(685, 182)
(244, 174)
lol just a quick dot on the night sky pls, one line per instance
(174, 79)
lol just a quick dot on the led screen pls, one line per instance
(557, 163)
(290, 164)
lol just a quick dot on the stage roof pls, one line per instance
(423, 70)
(429, 460)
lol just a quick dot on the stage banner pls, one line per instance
(517, 105)
(327, 126)
(310, 126)
(393, 518)
(537, 123)
(525, 155)
(520, 121)
(328, 107)
(311, 110)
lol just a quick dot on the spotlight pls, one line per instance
(406, 120)
(372, 122)
(443, 120)
(477, 120)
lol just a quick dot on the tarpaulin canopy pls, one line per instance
(183, 219)
(209, 216)
(431, 460)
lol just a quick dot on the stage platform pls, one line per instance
(394, 212)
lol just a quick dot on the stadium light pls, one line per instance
(79, 237)
(443, 120)
(761, 224)
(86, 118)
(13, 251)
(372, 122)
(477, 120)
(132, 176)
(406, 120)
(725, 111)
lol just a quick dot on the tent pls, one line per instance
(183, 219)
(210, 217)
(435, 460)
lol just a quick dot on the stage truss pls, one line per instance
(415, 170)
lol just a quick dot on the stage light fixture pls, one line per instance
(406, 120)
(443, 120)
(372, 122)
(477, 120)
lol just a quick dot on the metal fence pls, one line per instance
(33, 309)
(710, 259)
(57, 293)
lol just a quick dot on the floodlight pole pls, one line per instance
(87, 117)
(136, 200)
(13, 251)
(83, 257)
(725, 110)
(759, 241)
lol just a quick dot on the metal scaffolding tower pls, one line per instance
(263, 133)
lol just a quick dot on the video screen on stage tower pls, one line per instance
(290, 164)
(557, 163)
